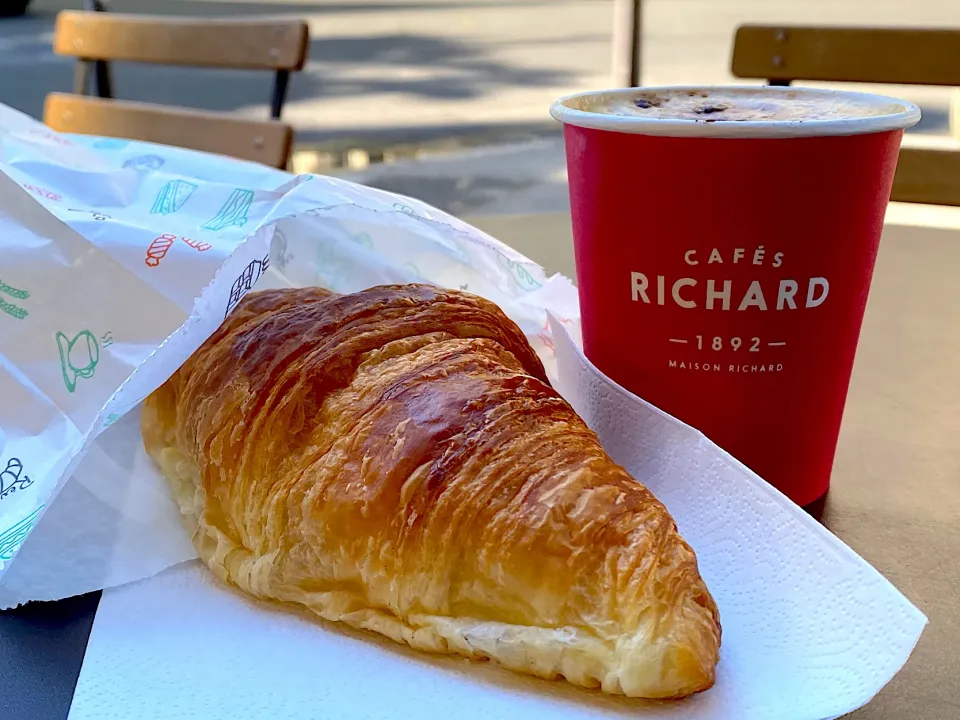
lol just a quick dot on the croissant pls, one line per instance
(396, 460)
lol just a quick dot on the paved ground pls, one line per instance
(397, 68)
(389, 72)
(411, 69)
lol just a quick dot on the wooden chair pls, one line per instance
(95, 37)
(782, 54)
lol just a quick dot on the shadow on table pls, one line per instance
(41, 651)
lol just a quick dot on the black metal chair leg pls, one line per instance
(103, 84)
(279, 93)
(103, 80)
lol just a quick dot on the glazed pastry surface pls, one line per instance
(396, 460)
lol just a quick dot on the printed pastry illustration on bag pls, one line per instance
(10, 308)
(12, 538)
(145, 162)
(13, 478)
(172, 197)
(78, 357)
(233, 212)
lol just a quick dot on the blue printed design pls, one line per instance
(111, 144)
(144, 162)
(12, 538)
(172, 197)
(233, 212)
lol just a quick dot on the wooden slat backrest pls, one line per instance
(227, 43)
(927, 176)
(834, 54)
(783, 54)
(266, 141)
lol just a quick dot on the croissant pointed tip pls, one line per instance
(675, 654)
(685, 666)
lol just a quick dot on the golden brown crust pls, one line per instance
(396, 459)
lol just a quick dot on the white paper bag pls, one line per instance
(120, 258)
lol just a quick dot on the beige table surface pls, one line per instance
(895, 496)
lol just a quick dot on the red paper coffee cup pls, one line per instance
(725, 238)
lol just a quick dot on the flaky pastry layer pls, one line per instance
(396, 459)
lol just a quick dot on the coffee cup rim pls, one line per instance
(907, 116)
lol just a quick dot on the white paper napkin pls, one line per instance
(810, 630)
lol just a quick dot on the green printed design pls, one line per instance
(404, 208)
(330, 267)
(172, 197)
(77, 360)
(9, 308)
(363, 239)
(13, 292)
(233, 212)
(12, 538)
(520, 274)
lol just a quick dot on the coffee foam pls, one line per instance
(710, 105)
